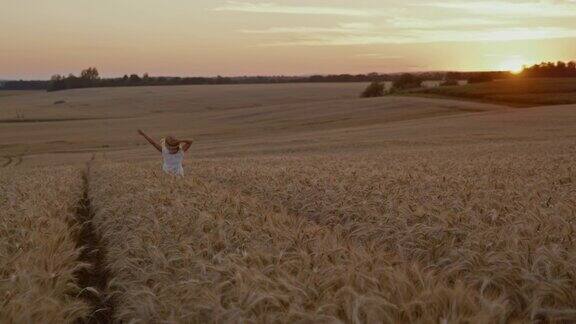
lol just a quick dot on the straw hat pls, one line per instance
(171, 142)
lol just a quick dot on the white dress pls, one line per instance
(172, 162)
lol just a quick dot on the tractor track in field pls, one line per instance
(18, 160)
(94, 279)
(14, 160)
(8, 161)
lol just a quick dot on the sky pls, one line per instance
(40, 38)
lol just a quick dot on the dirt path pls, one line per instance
(94, 279)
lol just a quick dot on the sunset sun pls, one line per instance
(514, 65)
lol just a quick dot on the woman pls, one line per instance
(172, 152)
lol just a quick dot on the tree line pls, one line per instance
(559, 69)
(24, 85)
(90, 78)
(407, 81)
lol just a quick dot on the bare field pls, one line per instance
(224, 120)
(8, 93)
(301, 203)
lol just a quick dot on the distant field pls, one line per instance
(8, 93)
(69, 126)
(517, 92)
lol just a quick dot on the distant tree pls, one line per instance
(481, 77)
(24, 85)
(134, 79)
(373, 76)
(72, 82)
(56, 83)
(407, 81)
(374, 89)
(223, 80)
(550, 70)
(90, 74)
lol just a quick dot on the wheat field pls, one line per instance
(313, 207)
(351, 238)
(38, 254)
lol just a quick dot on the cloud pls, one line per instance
(273, 8)
(424, 21)
(536, 9)
(503, 55)
(379, 56)
(391, 25)
(343, 28)
(419, 23)
(425, 36)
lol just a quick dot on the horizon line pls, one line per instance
(4, 79)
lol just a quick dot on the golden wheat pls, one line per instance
(457, 234)
(38, 255)
(499, 219)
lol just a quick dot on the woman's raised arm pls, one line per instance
(187, 144)
(151, 141)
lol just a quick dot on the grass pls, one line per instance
(518, 92)
(38, 253)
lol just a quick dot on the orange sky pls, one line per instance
(39, 38)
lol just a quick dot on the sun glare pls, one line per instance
(513, 65)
